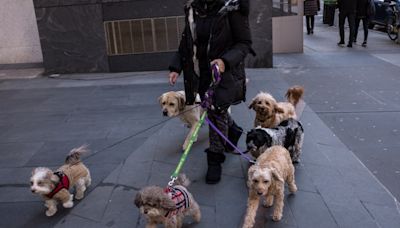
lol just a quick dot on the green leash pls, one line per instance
(175, 174)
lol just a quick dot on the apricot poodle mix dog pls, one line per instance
(267, 178)
(54, 186)
(173, 104)
(269, 112)
(167, 206)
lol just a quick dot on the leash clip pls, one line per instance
(172, 181)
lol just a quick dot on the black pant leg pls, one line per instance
(357, 24)
(308, 24)
(351, 18)
(365, 26)
(312, 22)
(342, 18)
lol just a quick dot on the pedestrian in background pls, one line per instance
(347, 9)
(311, 8)
(362, 7)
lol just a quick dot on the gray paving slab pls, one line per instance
(17, 154)
(309, 210)
(74, 220)
(385, 216)
(93, 206)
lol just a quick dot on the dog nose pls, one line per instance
(145, 211)
(165, 113)
(33, 190)
(259, 193)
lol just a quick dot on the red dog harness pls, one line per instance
(63, 183)
(180, 197)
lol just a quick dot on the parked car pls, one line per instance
(382, 13)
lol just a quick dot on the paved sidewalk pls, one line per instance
(42, 119)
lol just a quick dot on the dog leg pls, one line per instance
(290, 180)
(187, 140)
(195, 211)
(51, 207)
(67, 201)
(278, 209)
(269, 200)
(88, 180)
(252, 206)
(80, 189)
(151, 225)
(173, 222)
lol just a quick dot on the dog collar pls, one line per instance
(62, 183)
(180, 197)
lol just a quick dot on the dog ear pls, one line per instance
(250, 174)
(253, 102)
(54, 178)
(138, 199)
(276, 175)
(167, 203)
(181, 102)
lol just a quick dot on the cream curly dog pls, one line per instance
(269, 112)
(267, 178)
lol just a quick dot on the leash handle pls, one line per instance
(175, 174)
(216, 76)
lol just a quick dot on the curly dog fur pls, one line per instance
(269, 112)
(267, 178)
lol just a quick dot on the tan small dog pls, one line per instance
(54, 186)
(267, 178)
(269, 112)
(167, 206)
(173, 104)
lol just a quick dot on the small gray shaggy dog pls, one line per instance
(168, 206)
(289, 134)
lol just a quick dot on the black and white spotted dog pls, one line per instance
(289, 133)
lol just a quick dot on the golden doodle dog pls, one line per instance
(173, 104)
(54, 186)
(267, 178)
(167, 206)
(269, 112)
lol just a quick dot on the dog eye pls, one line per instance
(171, 104)
(259, 102)
(39, 183)
(255, 181)
(265, 181)
(31, 182)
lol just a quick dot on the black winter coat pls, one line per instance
(230, 40)
(347, 6)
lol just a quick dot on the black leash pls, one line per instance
(138, 133)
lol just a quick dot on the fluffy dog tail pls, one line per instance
(74, 156)
(294, 94)
(182, 180)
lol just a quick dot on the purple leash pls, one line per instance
(227, 140)
(207, 103)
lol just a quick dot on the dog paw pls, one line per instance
(79, 196)
(50, 213)
(277, 217)
(292, 188)
(68, 204)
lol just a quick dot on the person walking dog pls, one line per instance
(311, 8)
(216, 32)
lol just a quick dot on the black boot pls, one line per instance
(234, 133)
(214, 169)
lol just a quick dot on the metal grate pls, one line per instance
(148, 35)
